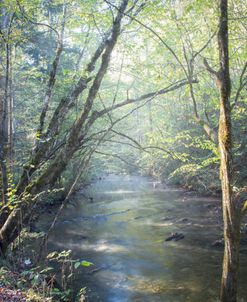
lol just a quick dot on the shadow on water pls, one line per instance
(123, 233)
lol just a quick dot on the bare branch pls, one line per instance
(145, 148)
(242, 84)
(118, 157)
(210, 69)
(204, 46)
(149, 96)
(128, 137)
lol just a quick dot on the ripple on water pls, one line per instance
(129, 248)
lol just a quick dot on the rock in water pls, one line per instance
(218, 243)
(183, 220)
(175, 237)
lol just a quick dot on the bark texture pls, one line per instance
(230, 209)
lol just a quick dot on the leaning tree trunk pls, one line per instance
(14, 223)
(230, 210)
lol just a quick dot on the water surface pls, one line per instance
(123, 231)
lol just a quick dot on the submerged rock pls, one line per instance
(218, 243)
(175, 237)
(183, 220)
(166, 218)
(138, 217)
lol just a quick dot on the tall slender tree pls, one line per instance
(6, 98)
(232, 211)
(230, 208)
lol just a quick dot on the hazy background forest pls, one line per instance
(90, 88)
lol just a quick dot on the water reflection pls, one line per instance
(123, 233)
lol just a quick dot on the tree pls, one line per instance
(6, 98)
(231, 209)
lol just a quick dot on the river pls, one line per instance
(122, 229)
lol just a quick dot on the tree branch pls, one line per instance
(150, 96)
(210, 69)
(242, 84)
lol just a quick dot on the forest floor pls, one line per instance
(9, 295)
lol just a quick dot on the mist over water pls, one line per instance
(122, 230)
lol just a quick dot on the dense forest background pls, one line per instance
(93, 87)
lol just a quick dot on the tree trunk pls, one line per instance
(3, 174)
(230, 210)
(6, 128)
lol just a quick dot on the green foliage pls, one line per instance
(40, 283)
(82, 263)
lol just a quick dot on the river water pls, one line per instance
(122, 231)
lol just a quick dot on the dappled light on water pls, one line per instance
(123, 233)
(119, 192)
(98, 247)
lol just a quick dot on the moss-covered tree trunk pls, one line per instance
(230, 210)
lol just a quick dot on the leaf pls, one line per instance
(46, 270)
(52, 255)
(77, 264)
(86, 263)
(27, 262)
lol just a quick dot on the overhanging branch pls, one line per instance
(150, 96)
